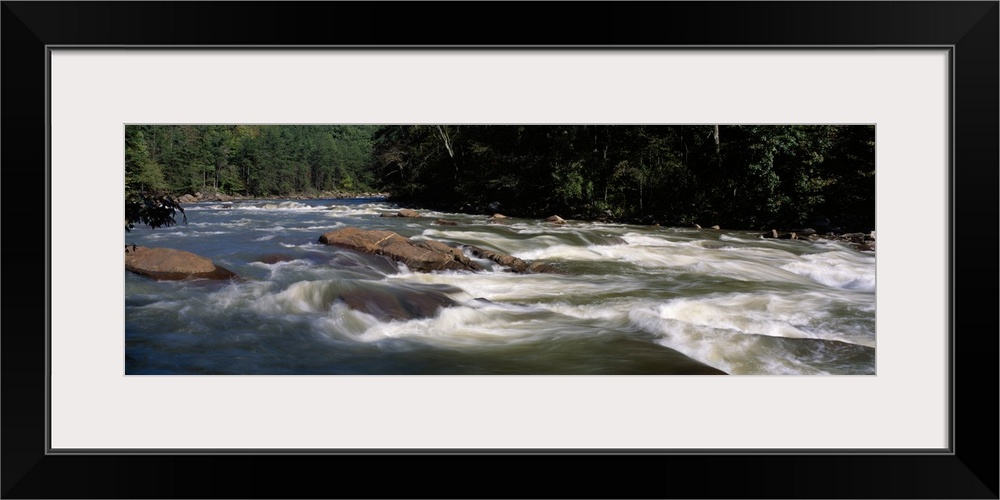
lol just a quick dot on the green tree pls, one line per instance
(146, 198)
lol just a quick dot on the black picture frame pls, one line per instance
(968, 470)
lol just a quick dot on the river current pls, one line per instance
(636, 300)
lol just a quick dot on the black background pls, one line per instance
(970, 472)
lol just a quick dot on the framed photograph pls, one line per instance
(863, 390)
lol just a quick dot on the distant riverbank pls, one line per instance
(208, 195)
(862, 241)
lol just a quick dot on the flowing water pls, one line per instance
(634, 299)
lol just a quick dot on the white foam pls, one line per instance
(729, 349)
(180, 233)
(342, 321)
(225, 224)
(736, 239)
(303, 297)
(728, 330)
(836, 269)
(280, 265)
(310, 247)
(351, 211)
(643, 256)
(761, 314)
(235, 297)
(324, 227)
(614, 311)
(188, 207)
(505, 286)
(460, 326)
(284, 205)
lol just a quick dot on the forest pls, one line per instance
(735, 176)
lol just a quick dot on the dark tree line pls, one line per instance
(738, 176)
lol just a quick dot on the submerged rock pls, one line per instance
(171, 264)
(397, 303)
(614, 240)
(555, 219)
(274, 258)
(543, 268)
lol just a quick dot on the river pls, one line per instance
(634, 300)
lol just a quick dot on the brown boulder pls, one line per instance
(421, 256)
(515, 264)
(555, 219)
(402, 213)
(424, 255)
(171, 264)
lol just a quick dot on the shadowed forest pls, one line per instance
(736, 176)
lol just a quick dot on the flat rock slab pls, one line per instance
(424, 255)
(421, 256)
(172, 264)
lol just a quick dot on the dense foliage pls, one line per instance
(163, 162)
(146, 198)
(257, 160)
(734, 175)
(737, 176)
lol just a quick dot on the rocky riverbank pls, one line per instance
(864, 242)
